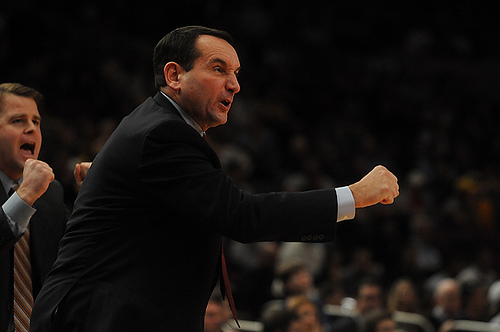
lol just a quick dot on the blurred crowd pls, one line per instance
(328, 92)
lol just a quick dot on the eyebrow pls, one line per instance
(21, 115)
(224, 63)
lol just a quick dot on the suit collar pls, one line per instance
(165, 103)
(7, 182)
(187, 118)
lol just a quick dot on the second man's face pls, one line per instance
(20, 134)
(207, 90)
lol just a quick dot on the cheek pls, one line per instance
(39, 144)
(8, 141)
(197, 97)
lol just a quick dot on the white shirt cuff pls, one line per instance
(18, 213)
(345, 202)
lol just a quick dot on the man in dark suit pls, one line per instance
(38, 201)
(142, 250)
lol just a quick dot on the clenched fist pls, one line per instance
(80, 172)
(37, 175)
(378, 186)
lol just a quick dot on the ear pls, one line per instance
(171, 72)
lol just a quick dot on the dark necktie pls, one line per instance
(225, 286)
(23, 289)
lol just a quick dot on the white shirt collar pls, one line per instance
(7, 182)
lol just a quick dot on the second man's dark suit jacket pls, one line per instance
(142, 248)
(46, 230)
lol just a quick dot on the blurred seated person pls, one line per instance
(370, 297)
(447, 305)
(475, 301)
(293, 280)
(298, 280)
(403, 296)
(308, 313)
(361, 266)
(282, 321)
(380, 321)
(332, 293)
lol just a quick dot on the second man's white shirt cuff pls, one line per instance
(18, 213)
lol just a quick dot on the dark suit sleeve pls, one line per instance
(209, 200)
(51, 212)
(7, 238)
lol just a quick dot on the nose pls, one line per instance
(233, 85)
(30, 128)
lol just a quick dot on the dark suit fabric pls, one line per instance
(46, 230)
(142, 248)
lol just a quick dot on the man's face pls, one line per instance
(20, 135)
(207, 90)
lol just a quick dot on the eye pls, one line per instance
(219, 69)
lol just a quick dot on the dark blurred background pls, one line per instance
(329, 90)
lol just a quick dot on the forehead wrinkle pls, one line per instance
(223, 63)
(218, 60)
(23, 115)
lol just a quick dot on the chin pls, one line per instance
(218, 122)
(222, 119)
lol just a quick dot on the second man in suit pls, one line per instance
(35, 213)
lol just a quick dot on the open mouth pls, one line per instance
(226, 103)
(28, 147)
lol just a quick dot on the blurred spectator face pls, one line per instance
(369, 298)
(294, 326)
(448, 297)
(308, 317)
(407, 297)
(300, 282)
(404, 297)
(213, 317)
(387, 325)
